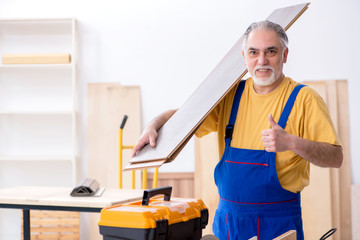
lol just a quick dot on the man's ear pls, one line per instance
(244, 56)
(286, 52)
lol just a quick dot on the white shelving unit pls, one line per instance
(38, 104)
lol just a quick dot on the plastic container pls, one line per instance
(155, 219)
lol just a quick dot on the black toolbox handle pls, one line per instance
(156, 191)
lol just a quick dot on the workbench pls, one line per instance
(58, 199)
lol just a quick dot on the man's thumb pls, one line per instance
(272, 121)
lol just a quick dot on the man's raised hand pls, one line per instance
(275, 139)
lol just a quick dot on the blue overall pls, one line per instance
(252, 201)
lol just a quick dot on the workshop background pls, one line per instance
(169, 47)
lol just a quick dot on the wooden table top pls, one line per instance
(60, 196)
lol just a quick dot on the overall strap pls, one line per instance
(289, 104)
(230, 127)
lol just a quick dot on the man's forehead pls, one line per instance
(263, 39)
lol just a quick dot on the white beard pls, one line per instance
(264, 82)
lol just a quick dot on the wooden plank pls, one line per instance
(316, 203)
(290, 235)
(332, 101)
(206, 158)
(345, 170)
(316, 198)
(146, 164)
(178, 130)
(355, 217)
(60, 58)
(54, 221)
(55, 236)
(107, 104)
(51, 229)
(53, 214)
(333, 210)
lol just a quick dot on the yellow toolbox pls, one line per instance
(155, 218)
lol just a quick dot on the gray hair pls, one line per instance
(267, 25)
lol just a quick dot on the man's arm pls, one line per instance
(150, 133)
(321, 154)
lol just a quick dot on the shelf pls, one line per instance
(38, 103)
(38, 36)
(67, 66)
(36, 112)
(36, 158)
(36, 90)
(36, 20)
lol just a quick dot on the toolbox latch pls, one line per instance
(204, 217)
(161, 229)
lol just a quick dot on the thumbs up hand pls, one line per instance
(274, 139)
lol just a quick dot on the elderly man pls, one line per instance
(270, 129)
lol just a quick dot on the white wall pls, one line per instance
(169, 47)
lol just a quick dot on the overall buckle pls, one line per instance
(229, 131)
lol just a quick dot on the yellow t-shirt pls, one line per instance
(309, 119)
